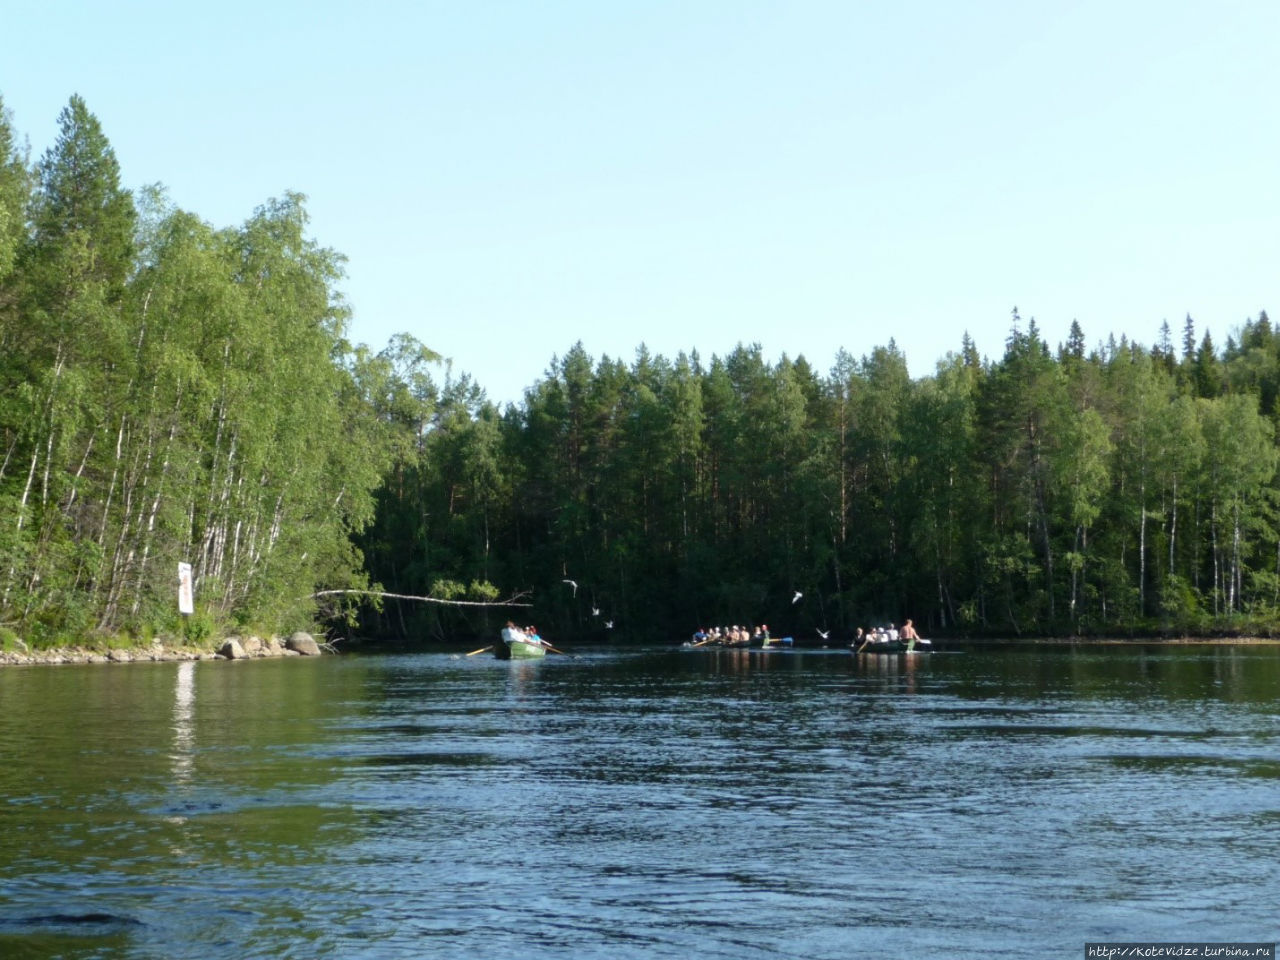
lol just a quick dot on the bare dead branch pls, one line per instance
(510, 602)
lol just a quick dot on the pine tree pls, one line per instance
(1188, 340)
(1207, 371)
(1074, 349)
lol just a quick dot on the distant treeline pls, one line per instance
(174, 392)
(1068, 491)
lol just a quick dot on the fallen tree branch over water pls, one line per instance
(510, 602)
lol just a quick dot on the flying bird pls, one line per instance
(595, 611)
(608, 624)
(797, 596)
(824, 634)
(572, 583)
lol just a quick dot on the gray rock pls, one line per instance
(231, 649)
(303, 643)
(119, 656)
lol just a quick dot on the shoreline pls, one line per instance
(302, 644)
(298, 644)
(1119, 640)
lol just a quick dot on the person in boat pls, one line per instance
(531, 634)
(908, 632)
(699, 635)
(511, 632)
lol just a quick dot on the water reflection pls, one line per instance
(184, 729)
(521, 677)
(901, 666)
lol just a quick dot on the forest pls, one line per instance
(171, 391)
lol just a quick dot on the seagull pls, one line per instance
(824, 634)
(595, 611)
(572, 583)
(797, 596)
(608, 624)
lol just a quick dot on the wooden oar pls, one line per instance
(481, 650)
(864, 644)
(557, 650)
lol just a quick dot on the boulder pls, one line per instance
(253, 646)
(231, 649)
(119, 656)
(303, 643)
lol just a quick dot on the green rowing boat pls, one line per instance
(517, 645)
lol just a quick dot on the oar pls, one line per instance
(557, 650)
(864, 643)
(481, 650)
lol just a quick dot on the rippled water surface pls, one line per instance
(996, 801)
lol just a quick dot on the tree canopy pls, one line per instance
(1118, 490)
(169, 392)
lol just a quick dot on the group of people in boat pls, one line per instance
(527, 634)
(889, 633)
(734, 636)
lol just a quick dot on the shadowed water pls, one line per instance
(996, 801)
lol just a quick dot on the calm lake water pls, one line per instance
(993, 801)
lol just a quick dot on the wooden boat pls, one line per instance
(891, 646)
(517, 645)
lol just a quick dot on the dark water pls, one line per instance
(993, 802)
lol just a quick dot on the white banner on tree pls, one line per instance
(186, 597)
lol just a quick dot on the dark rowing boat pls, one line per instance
(892, 646)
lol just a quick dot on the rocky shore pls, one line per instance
(299, 644)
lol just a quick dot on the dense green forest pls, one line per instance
(1119, 490)
(171, 391)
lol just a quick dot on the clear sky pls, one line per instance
(508, 178)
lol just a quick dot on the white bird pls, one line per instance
(824, 634)
(595, 611)
(797, 596)
(608, 624)
(572, 583)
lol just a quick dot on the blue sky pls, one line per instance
(508, 178)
